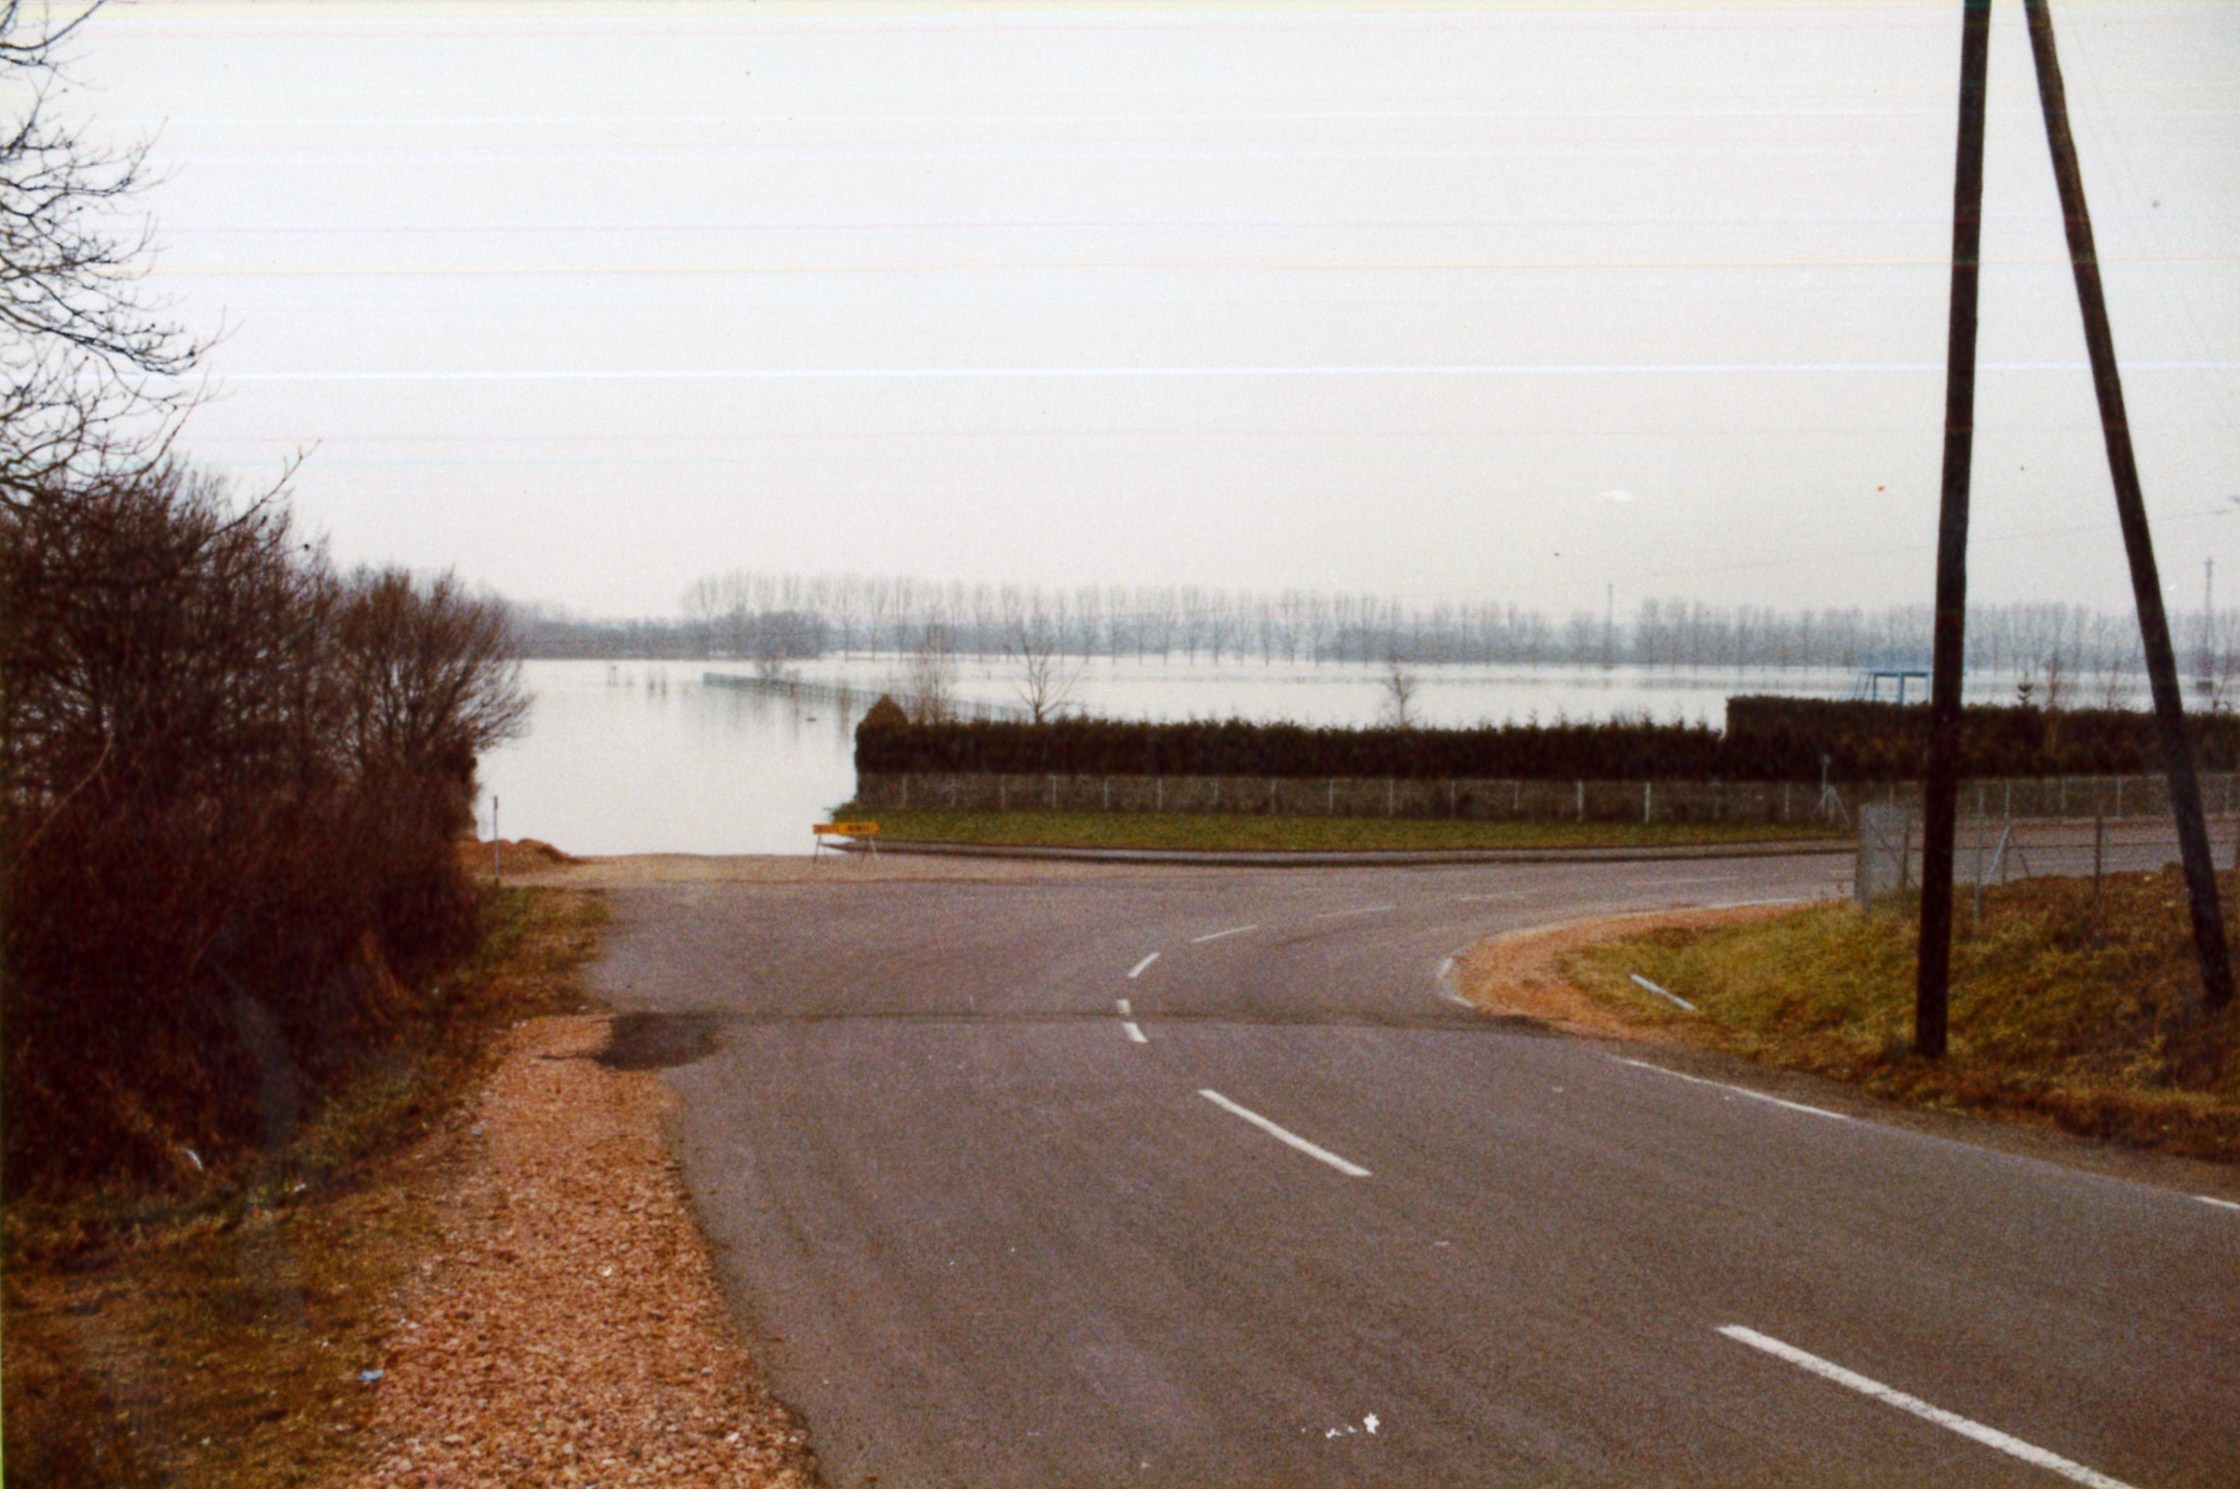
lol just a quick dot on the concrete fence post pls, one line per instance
(1579, 796)
(1158, 793)
(1646, 801)
(1391, 793)
(1108, 793)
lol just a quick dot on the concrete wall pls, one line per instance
(1592, 801)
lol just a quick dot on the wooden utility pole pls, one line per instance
(2131, 511)
(1932, 976)
(1941, 797)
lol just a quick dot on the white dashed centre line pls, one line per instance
(1134, 1033)
(1283, 1135)
(1990, 1437)
(1235, 930)
(1137, 970)
(1125, 1011)
(2222, 1204)
(1795, 1106)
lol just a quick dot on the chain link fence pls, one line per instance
(1990, 850)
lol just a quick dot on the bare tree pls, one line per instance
(92, 359)
(930, 680)
(1400, 689)
(432, 674)
(1050, 680)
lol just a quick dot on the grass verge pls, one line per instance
(2060, 1016)
(214, 1339)
(1212, 832)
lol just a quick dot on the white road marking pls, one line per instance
(1364, 910)
(1134, 1033)
(1641, 981)
(1235, 930)
(1507, 894)
(1795, 1106)
(1782, 899)
(1990, 1437)
(1125, 1010)
(1447, 990)
(1349, 1169)
(1137, 970)
(2222, 1204)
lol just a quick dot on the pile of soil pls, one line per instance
(516, 855)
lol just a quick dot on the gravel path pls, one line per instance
(572, 1330)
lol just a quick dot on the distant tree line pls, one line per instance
(2069, 654)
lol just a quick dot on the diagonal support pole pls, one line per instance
(1940, 807)
(2131, 511)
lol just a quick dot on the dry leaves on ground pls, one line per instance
(571, 1329)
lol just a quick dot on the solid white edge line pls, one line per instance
(1349, 1169)
(1364, 910)
(1990, 1437)
(2222, 1204)
(1125, 1010)
(1134, 1033)
(1795, 1106)
(1640, 981)
(1137, 970)
(1235, 930)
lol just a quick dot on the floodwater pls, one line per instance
(641, 757)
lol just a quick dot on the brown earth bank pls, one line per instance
(1525, 972)
(483, 1270)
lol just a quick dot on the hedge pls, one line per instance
(1766, 739)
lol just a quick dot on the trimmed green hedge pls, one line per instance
(1767, 739)
(1784, 738)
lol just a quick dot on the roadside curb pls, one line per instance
(1367, 858)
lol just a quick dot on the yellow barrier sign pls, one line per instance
(867, 831)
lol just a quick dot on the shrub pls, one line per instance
(233, 781)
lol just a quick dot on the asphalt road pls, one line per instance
(1292, 1216)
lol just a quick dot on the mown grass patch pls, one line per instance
(215, 1338)
(1212, 832)
(2060, 1015)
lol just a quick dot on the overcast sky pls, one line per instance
(1492, 301)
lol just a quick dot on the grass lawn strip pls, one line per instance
(2061, 1017)
(1216, 832)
